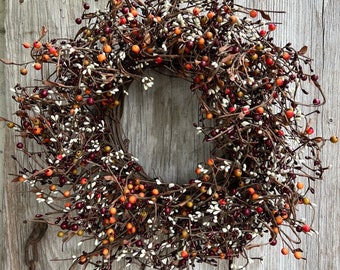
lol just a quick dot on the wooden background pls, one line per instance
(161, 129)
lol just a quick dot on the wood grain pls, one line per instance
(158, 123)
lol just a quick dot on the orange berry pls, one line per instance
(255, 197)
(278, 220)
(52, 187)
(198, 170)
(52, 50)
(133, 199)
(107, 48)
(79, 98)
(129, 225)
(188, 66)
(67, 193)
(184, 254)
(46, 57)
(110, 231)
(48, 172)
(300, 185)
(211, 14)
(201, 41)
(37, 44)
(209, 35)
(298, 254)
(37, 66)
(122, 198)
(149, 50)
(177, 31)
(101, 57)
(210, 161)
(155, 191)
(253, 13)
(21, 179)
(68, 205)
(233, 19)
(135, 49)
(284, 251)
(26, 45)
(113, 210)
(196, 11)
(23, 71)
(275, 230)
(209, 116)
(134, 12)
(251, 191)
(37, 130)
(105, 251)
(260, 110)
(112, 220)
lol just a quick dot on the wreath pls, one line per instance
(264, 158)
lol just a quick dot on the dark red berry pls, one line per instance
(78, 21)
(43, 93)
(20, 145)
(314, 77)
(90, 101)
(316, 101)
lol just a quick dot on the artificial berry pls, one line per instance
(272, 27)
(263, 32)
(253, 13)
(334, 139)
(78, 21)
(314, 77)
(306, 228)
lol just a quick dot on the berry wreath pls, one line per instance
(248, 91)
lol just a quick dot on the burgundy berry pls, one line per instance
(316, 101)
(64, 225)
(273, 242)
(190, 44)
(74, 227)
(43, 93)
(314, 77)
(78, 21)
(20, 145)
(125, 10)
(90, 101)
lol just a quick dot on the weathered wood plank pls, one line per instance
(161, 128)
(159, 125)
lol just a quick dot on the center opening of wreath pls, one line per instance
(158, 123)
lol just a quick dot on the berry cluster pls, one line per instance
(265, 155)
